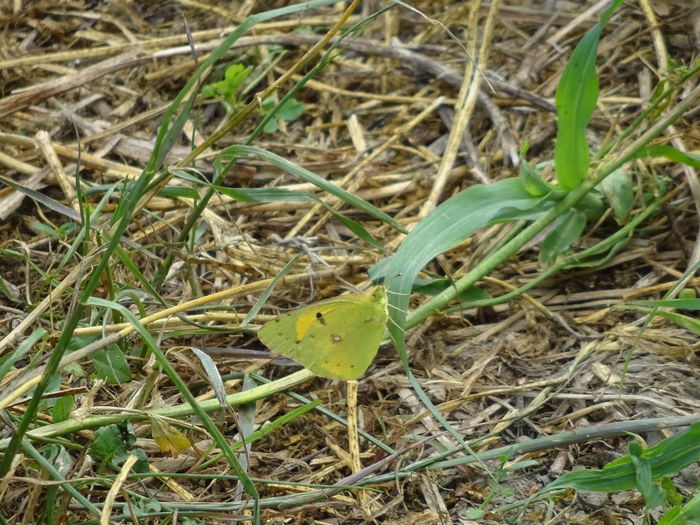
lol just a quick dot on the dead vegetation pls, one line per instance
(84, 89)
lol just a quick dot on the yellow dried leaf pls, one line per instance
(168, 438)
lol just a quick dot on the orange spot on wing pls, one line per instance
(303, 324)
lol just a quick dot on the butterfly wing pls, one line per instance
(337, 338)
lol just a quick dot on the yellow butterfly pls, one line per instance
(337, 338)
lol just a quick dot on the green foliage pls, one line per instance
(268, 194)
(290, 110)
(564, 208)
(688, 322)
(683, 514)
(643, 469)
(576, 98)
(452, 222)
(496, 488)
(619, 192)
(62, 408)
(566, 230)
(110, 362)
(61, 459)
(226, 90)
(7, 362)
(111, 365)
(533, 182)
(113, 444)
(63, 232)
(670, 153)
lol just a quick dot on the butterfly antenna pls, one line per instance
(350, 285)
(394, 322)
(397, 308)
(396, 293)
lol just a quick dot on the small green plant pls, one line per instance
(648, 471)
(289, 110)
(110, 363)
(496, 488)
(587, 185)
(227, 91)
(113, 444)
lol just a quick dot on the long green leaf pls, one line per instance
(671, 153)
(576, 98)
(663, 459)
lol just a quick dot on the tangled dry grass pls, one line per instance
(84, 88)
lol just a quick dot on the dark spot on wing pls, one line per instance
(319, 317)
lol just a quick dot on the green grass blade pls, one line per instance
(683, 304)
(685, 321)
(185, 392)
(33, 453)
(671, 153)
(268, 429)
(7, 362)
(316, 180)
(284, 195)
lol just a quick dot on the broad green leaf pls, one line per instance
(576, 98)
(111, 365)
(653, 495)
(664, 459)
(618, 190)
(532, 181)
(290, 110)
(451, 223)
(111, 445)
(226, 89)
(62, 409)
(235, 75)
(209, 90)
(566, 230)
